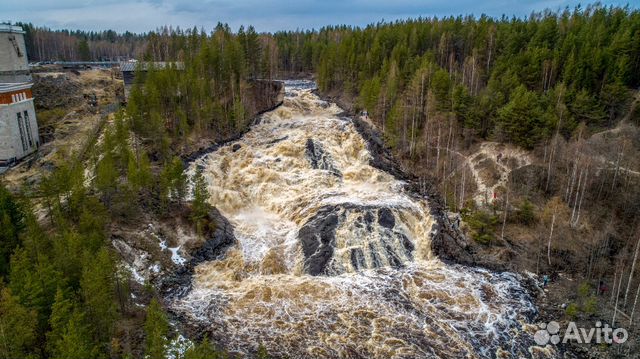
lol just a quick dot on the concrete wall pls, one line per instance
(13, 68)
(10, 139)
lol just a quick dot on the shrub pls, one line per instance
(572, 310)
(584, 290)
(482, 225)
(526, 213)
(590, 305)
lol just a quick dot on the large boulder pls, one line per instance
(317, 237)
(377, 241)
(318, 158)
(219, 236)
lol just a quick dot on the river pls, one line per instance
(333, 256)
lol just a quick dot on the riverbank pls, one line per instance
(307, 177)
(449, 244)
(565, 298)
(262, 96)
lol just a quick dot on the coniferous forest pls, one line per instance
(433, 87)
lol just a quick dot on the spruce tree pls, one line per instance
(98, 293)
(200, 206)
(17, 328)
(156, 328)
(11, 224)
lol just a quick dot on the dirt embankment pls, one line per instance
(70, 108)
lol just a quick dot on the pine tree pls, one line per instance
(106, 180)
(11, 224)
(203, 350)
(83, 50)
(156, 328)
(521, 120)
(17, 328)
(98, 292)
(34, 282)
(76, 341)
(200, 205)
(61, 312)
(70, 335)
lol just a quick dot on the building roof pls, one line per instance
(144, 66)
(11, 28)
(11, 87)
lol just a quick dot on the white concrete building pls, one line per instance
(18, 125)
(14, 66)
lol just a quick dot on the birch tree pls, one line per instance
(633, 268)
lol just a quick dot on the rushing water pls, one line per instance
(333, 257)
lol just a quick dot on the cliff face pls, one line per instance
(448, 243)
(263, 96)
(259, 96)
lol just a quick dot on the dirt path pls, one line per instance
(491, 166)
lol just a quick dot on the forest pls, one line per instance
(557, 90)
(63, 293)
(434, 87)
(507, 78)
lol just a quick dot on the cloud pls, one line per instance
(265, 15)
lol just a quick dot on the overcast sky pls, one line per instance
(265, 15)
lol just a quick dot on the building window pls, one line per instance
(21, 127)
(27, 124)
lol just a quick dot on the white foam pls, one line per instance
(268, 191)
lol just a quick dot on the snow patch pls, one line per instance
(176, 257)
(175, 254)
(178, 346)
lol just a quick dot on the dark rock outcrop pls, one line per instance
(319, 158)
(317, 237)
(386, 247)
(262, 96)
(447, 242)
(386, 218)
(277, 140)
(220, 236)
(381, 157)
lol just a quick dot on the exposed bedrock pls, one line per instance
(319, 158)
(219, 236)
(377, 241)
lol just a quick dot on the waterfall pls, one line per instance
(333, 256)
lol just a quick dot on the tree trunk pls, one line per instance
(615, 174)
(553, 222)
(635, 302)
(438, 151)
(584, 185)
(633, 268)
(575, 201)
(615, 308)
(613, 290)
(506, 209)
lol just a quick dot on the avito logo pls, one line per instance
(550, 333)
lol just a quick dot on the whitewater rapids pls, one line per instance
(333, 256)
